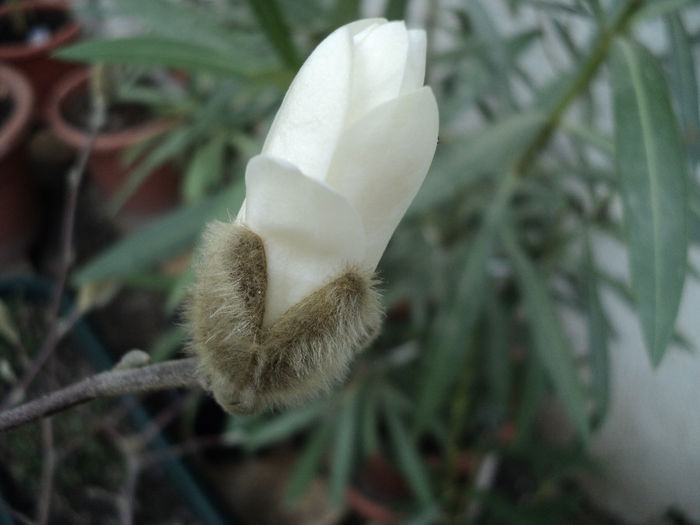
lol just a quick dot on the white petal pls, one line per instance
(414, 75)
(312, 115)
(381, 162)
(378, 67)
(310, 232)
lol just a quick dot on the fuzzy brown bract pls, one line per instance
(249, 367)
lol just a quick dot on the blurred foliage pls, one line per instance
(495, 247)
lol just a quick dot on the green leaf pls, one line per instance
(589, 136)
(446, 350)
(555, 7)
(343, 448)
(597, 338)
(409, 461)
(204, 26)
(170, 144)
(205, 169)
(549, 340)
(310, 461)
(490, 152)
(344, 12)
(370, 434)
(178, 292)
(163, 238)
(499, 59)
(683, 81)
(282, 426)
(497, 355)
(659, 8)
(274, 25)
(175, 142)
(395, 9)
(167, 344)
(428, 516)
(652, 165)
(158, 51)
(8, 328)
(532, 393)
(567, 40)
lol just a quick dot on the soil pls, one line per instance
(48, 21)
(120, 115)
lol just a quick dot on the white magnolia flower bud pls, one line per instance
(345, 156)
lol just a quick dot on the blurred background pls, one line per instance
(539, 359)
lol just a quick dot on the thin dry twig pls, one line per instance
(128, 496)
(170, 374)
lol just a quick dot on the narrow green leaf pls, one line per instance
(282, 426)
(395, 9)
(659, 8)
(160, 51)
(553, 350)
(174, 143)
(497, 358)
(274, 25)
(310, 461)
(370, 433)
(449, 337)
(684, 85)
(597, 338)
(164, 237)
(596, 9)
(343, 448)
(428, 516)
(498, 59)
(204, 26)
(490, 152)
(178, 292)
(170, 144)
(167, 344)
(345, 11)
(8, 328)
(590, 136)
(205, 169)
(556, 7)
(566, 38)
(652, 165)
(408, 458)
(533, 391)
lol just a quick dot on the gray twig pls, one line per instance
(170, 374)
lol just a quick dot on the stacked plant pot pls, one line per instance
(30, 31)
(127, 125)
(18, 208)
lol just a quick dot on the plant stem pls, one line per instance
(170, 374)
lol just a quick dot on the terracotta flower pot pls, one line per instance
(35, 61)
(18, 210)
(106, 165)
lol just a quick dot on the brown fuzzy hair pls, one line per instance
(249, 367)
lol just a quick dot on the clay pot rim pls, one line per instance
(20, 52)
(110, 141)
(12, 130)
